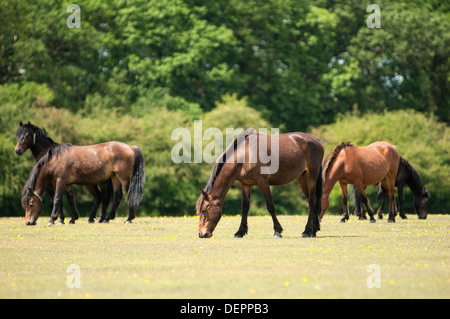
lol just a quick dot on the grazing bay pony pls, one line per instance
(67, 164)
(408, 175)
(361, 166)
(299, 158)
(35, 139)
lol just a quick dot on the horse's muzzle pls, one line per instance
(18, 151)
(204, 235)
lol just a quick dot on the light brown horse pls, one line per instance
(66, 164)
(299, 157)
(361, 166)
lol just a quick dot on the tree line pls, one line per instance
(294, 64)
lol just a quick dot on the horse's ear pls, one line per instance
(29, 123)
(205, 195)
(21, 124)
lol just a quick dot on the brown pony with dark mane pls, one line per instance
(36, 139)
(361, 166)
(66, 164)
(299, 158)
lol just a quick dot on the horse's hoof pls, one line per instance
(238, 235)
(106, 221)
(343, 220)
(391, 220)
(404, 217)
(91, 221)
(277, 235)
(128, 222)
(373, 221)
(308, 235)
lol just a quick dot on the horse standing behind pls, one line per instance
(66, 164)
(361, 166)
(408, 175)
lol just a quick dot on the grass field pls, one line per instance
(164, 258)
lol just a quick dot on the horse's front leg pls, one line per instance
(57, 201)
(400, 201)
(365, 201)
(265, 189)
(392, 206)
(73, 206)
(345, 216)
(245, 206)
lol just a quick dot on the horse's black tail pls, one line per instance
(319, 190)
(381, 196)
(136, 189)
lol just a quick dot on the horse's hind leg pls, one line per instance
(265, 189)
(245, 206)
(97, 199)
(365, 201)
(307, 182)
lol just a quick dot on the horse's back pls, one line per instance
(374, 160)
(388, 152)
(297, 152)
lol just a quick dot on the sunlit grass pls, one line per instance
(164, 258)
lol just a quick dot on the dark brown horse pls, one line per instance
(35, 139)
(406, 175)
(361, 166)
(299, 157)
(66, 164)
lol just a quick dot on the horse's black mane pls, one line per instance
(31, 182)
(217, 168)
(413, 180)
(329, 160)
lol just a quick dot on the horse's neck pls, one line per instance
(414, 183)
(223, 182)
(41, 147)
(416, 188)
(42, 181)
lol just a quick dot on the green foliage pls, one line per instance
(422, 140)
(136, 70)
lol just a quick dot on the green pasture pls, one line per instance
(164, 258)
